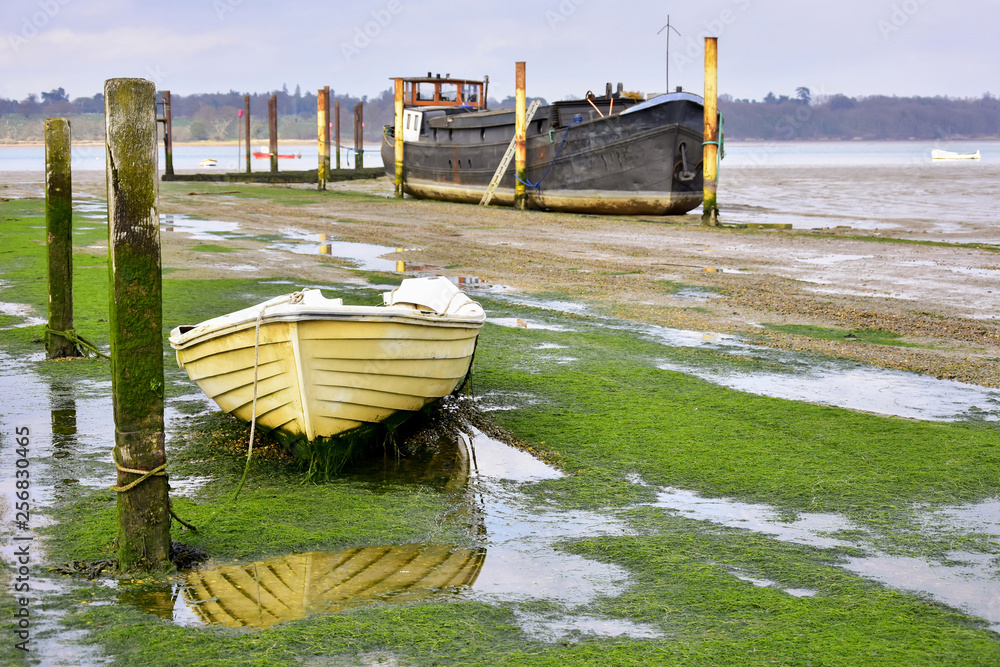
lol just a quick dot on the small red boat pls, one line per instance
(265, 156)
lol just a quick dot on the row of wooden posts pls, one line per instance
(324, 126)
(135, 307)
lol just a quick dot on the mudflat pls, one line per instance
(912, 251)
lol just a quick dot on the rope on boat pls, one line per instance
(82, 345)
(294, 297)
(576, 121)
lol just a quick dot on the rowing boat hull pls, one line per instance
(323, 371)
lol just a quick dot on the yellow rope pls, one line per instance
(146, 474)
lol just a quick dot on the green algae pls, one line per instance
(209, 247)
(872, 336)
(602, 422)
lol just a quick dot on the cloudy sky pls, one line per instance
(856, 47)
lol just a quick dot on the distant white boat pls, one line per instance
(938, 154)
(208, 162)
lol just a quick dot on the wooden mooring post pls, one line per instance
(398, 143)
(168, 135)
(520, 131)
(326, 151)
(272, 128)
(359, 135)
(136, 324)
(710, 147)
(246, 121)
(336, 130)
(59, 238)
(322, 138)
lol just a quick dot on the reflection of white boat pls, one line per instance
(208, 162)
(938, 154)
(323, 368)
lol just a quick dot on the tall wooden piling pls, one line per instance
(398, 143)
(272, 128)
(326, 152)
(520, 130)
(136, 323)
(322, 123)
(710, 151)
(246, 121)
(168, 135)
(336, 130)
(59, 238)
(359, 135)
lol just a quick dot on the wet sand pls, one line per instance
(838, 267)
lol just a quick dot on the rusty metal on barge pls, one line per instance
(606, 155)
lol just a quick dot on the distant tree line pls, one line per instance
(873, 118)
(214, 116)
(204, 116)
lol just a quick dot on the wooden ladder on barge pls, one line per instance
(505, 162)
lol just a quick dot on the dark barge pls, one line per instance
(605, 155)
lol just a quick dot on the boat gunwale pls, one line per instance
(193, 336)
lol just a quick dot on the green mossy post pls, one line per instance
(136, 322)
(59, 237)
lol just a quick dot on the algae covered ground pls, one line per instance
(593, 400)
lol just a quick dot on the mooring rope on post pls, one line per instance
(146, 474)
(82, 344)
(294, 297)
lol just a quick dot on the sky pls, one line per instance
(853, 47)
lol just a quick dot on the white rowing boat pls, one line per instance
(938, 154)
(319, 368)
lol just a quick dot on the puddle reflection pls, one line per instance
(263, 593)
(204, 230)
